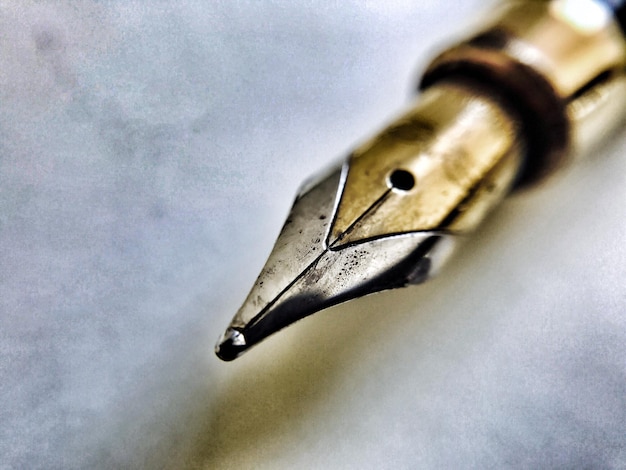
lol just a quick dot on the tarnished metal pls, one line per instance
(448, 142)
(545, 56)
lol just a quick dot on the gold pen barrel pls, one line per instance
(562, 64)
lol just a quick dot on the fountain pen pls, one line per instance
(539, 82)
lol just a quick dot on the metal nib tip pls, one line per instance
(231, 345)
(311, 268)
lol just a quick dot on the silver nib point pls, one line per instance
(230, 345)
(305, 273)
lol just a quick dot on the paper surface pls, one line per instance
(149, 154)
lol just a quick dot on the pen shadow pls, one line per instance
(275, 395)
(190, 410)
(213, 415)
(295, 377)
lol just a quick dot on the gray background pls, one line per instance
(149, 153)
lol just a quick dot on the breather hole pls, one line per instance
(402, 180)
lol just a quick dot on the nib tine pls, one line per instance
(304, 275)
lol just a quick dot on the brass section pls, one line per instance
(491, 189)
(570, 42)
(463, 150)
(544, 56)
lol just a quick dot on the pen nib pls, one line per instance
(310, 269)
(389, 216)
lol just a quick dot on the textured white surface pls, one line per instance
(149, 152)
